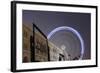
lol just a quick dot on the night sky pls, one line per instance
(47, 21)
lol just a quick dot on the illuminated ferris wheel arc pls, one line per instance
(73, 31)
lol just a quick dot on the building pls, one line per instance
(56, 54)
(27, 32)
(41, 47)
(37, 48)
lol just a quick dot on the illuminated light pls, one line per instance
(73, 31)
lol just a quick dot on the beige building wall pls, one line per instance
(54, 52)
(27, 32)
(40, 47)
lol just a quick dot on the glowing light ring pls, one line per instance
(72, 30)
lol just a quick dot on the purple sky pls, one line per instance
(47, 21)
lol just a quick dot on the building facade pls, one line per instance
(41, 47)
(43, 50)
(27, 32)
(56, 54)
